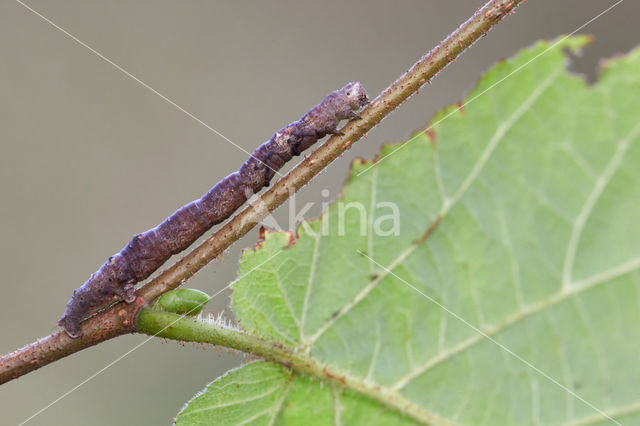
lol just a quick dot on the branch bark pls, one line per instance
(120, 318)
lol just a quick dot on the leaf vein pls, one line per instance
(532, 309)
(484, 158)
(590, 202)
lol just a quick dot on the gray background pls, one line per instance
(88, 157)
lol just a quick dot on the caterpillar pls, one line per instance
(146, 252)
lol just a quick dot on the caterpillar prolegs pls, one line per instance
(146, 252)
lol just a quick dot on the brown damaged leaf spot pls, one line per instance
(431, 135)
(429, 231)
(293, 239)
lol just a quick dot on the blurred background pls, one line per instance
(89, 157)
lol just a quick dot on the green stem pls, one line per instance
(170, 325)
(188, 329)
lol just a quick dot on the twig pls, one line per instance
(120, 318)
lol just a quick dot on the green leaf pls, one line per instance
(509, 296)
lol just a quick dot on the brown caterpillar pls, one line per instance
(146, 252)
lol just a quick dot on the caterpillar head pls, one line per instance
(356, 95)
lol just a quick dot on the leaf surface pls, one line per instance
(510, 293)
